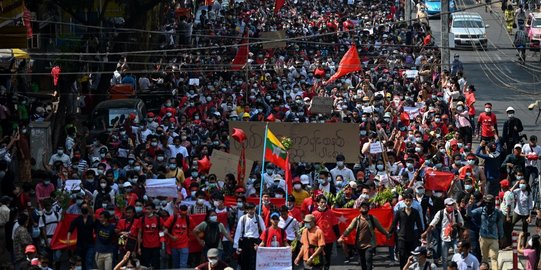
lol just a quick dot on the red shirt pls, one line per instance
(150, 228)
(307, 205)
(179, 230)
(268, 235)
(132, 198)
(296, 213)
(326, 220)
(125, 225)
(487, 122)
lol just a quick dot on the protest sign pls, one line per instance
(161, 187)
(274, 39)
(411, 73)
(273, 258)
(412, 111)
(321, 105)
(72, 184)
(375, 148)
(193, 81)
(224, 163)
(311, 142)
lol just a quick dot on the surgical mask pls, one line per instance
(195, 174)
(193, 193)
(339, 163)
(308, 225)
(321, 209)
(213, 218)
(519, 177)
(297, 186)
(487, 110)
(137, 168)
(240, 204)
(510, 115)
(103, 185)
(200, 201)
(409, 165)
(172, 166)
(79, 201)
(438, 194)
(138, 209)
(417, 149)
(420, 191)
(321, 181)
(160, 158)
(154, 144)
(380, 167)
(213, 261)
(103, 205)
(46, 182)
(131, 161)
(339, 184)
(418, 139)
(278, 196)
(216, 204)
(468, 187)
(458, 162)
(60, 152)
(522, 187)
(365, 196)
(471, 162)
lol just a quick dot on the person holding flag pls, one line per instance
(365, 237)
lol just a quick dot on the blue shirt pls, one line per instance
(415, 205)
(492, 162)
(104, 238)
(490, 226)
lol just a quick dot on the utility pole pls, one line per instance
(445, 50)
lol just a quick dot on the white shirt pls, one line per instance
(527, 149)
(250, 228)
(178, 150)
(345, 172)
(51, 221)
(144, 83)
(291, 229)
(448, 218)
(4, 215)
(468, 263)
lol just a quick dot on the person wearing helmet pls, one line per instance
(511, 130)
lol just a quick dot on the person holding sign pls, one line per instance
(313, 244)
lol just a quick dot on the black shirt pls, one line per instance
(85, 231)
(407, 224)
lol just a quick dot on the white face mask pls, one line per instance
(213, 261)
(213, 218)
(103, 185)
(278, 196)
(339, 163)
(488, 110)
(297, 186)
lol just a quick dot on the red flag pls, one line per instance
(278, 4)
(440, 181)
(349, 63)
(197, 219)
(27, 16)
(232, 200)
(289, 180)
(209, 2)
(61, 233)
(383, 215)
(241, 58)
(55, 72)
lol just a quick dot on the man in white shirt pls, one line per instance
(60, 156)
(532, 152)
(342, 170)
(247, 235)
(288, 223)
(464, 259)
(177, 148)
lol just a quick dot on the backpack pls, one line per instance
(244, 224)
(455, 233)
(175, 221)
(212, 235)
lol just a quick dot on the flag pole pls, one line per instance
(286, 174)
(263, 168)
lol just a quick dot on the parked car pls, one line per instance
(433, 7)
(469, 29)
(533, 28)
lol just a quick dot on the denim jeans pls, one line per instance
(87, 256)
(180, 257)
(445, 251)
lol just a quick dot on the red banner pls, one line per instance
(383, 215)
(232, 200)
(60, 236)
(438, 181)
(197, 219)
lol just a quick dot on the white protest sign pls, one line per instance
(376, 148)
(412, 111)
(161, 187)
(273, 258)
(193, 81)
(411, 73)
(72, 184)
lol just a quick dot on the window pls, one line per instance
(468, 24)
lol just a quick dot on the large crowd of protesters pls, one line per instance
(118, 226)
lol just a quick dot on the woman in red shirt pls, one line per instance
(274, 236)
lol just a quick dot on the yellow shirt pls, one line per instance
(300, 196)
(178, 174)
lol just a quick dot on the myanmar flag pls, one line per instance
(275, 152)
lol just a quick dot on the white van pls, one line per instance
(469, 29)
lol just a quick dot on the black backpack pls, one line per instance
(212, 235)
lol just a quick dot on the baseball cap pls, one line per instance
(518, 145)
(504, 183)
(213, 252)
(309, 218)
(420, 251)
(30, 249)
(449, 201)
(275, 215)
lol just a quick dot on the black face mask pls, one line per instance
(489, 207)
(364, 213)
(84, 211)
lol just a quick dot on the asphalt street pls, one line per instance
(498, 78)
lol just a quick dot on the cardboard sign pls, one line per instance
(268, 38)
(321, 105)
(375, 148)
(311, 142)
(224, 163)
(161, 187)
(273, 258)
(72, 184)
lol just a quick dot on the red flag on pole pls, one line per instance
(349, 63)
(27, 17)
(241, 58)
(59, 240)
(289, 178)
(440, 181)
(278, 4)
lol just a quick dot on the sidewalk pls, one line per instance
(505, 260)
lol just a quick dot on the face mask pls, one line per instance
(103, 205)
(417, 149)
(468, 187)
(458, 162)
(321, 181)
(418, 139)
(60, 152)
(340, 163)
(438, 166)
(160, 158)
(195, 174)
(46, 182)
(308, 225)
(193, 193)
(240, 204)
(213, 261)
(172, 166)
(103, 185)
(510, 115)
(321, 209)
(138, 209)
(297, 186)
(339, 184)
(200, 201)
(380, 167)
(420, 191)
(213, 218)
(78, 268)
(131, 161)
(409, 165)
(79, 201)
(365, 196)
(471, 162)
(154, 144)
(438, 194)
(216, 204)
(487, 110)
(520, 177)
(442, 150)
(522, 187)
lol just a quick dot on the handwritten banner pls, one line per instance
(224, 163)
(311, 142)
(161, 187)
(273, 258)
